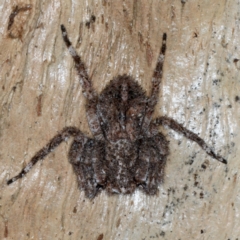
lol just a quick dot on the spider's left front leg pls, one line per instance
(87, 88)
(84, 79)
(171, 123)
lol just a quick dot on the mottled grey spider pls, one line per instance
(127, 150)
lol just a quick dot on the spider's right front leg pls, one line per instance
(156, 80)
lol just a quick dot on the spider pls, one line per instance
(127, 151)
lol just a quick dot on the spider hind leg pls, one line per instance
(171, 123)
(42, 153)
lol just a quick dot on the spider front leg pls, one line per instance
(156, 80)
(53, 143)
(87, 88)
(171, 123)
(84, 79)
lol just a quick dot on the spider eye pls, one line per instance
(117, 96)
(130, 94)
(121, 116)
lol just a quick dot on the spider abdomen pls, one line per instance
(121, 157)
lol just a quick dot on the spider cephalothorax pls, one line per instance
(127, 151)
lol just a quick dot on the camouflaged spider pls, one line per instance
(127, 151)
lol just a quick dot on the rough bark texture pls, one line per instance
(40, 94)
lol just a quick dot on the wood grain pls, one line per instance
(40, 94)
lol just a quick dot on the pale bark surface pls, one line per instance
(40, 94)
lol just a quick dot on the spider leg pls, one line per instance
(171, 123)
(87, 158)
(53, 143)
(149, 172)
(87, 88)
(85, 81)
(156, 80)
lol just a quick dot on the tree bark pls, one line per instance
(40, 94)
